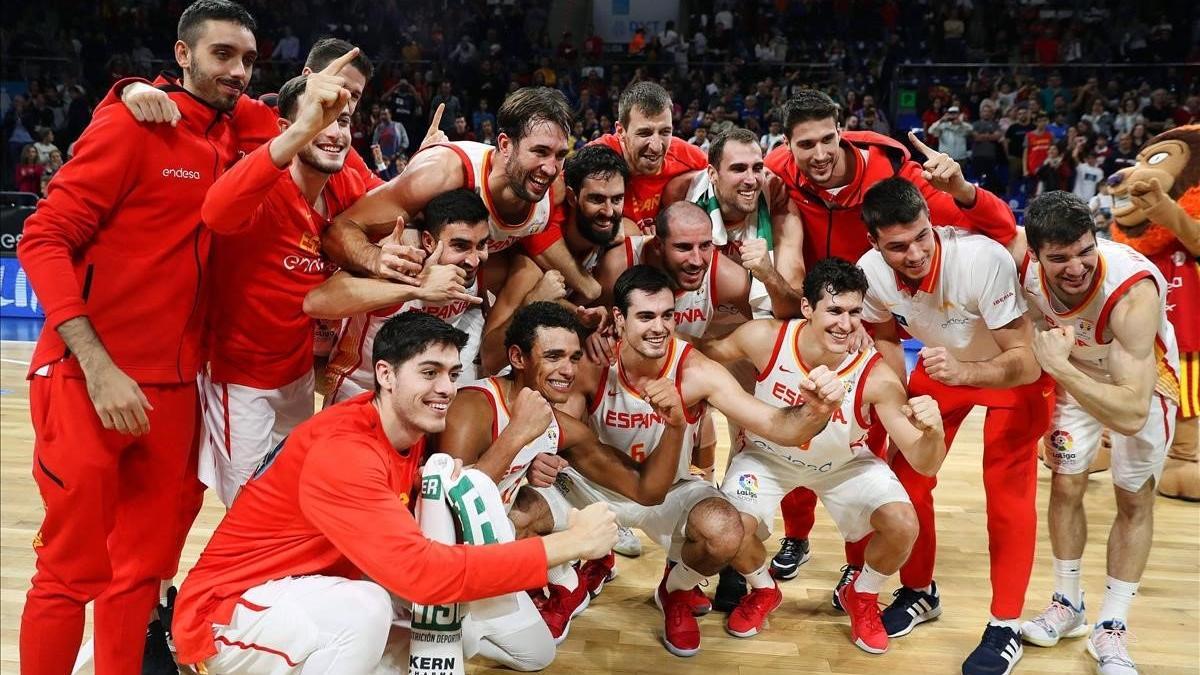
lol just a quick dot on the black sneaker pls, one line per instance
(997, 653)
(848, 572)
(156, 657)
(910, 608)
(792, 554)
(731, 588)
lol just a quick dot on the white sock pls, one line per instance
(682, 578)
(1066, 580)
(869, 581)
(1012, 624)
(563, 575)
(1118, 595)
(760, 578)
(925, 589)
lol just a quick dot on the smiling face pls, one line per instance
(550, 366)
(327, 152)
(836, 317)
(908, 248)
(687, 250)
(218, 67)
(816, 147)
(598, 207)
(646, 140)
(1070, 268)
(418, 391)
(650, 323)
(463, 245)
(532, 164)
(739, 180)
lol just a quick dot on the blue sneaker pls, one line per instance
(792, 554)
(997, 653)
(910, 608)
(848, 572)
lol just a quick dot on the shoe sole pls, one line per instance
(753, 631)
(587, 600)
(1091, 650)
(787, 574)
(628, 552)
(1079, 631)
(603, 582)
(667, 643)
(1013, 664)
(918, 620)
(867, 648)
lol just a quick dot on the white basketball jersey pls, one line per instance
(845, 437)
(623, 419)
(350, 360)
(695, 311)
(548, 442)
(1118, 269)
(477, 161)
(729, 241)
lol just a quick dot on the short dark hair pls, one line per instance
(737, 135)
(1056, 217)
(325, 50)
(289, 96)
(529, 106)
(891, 201)
(459, 205)
(646, 96)
(807, 105)
(527, 320)
(833, 276)
(662, 222)
(211, 10)
(405, 335)
(649, 280)
(593, 161)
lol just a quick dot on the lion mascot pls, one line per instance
(1156, 210)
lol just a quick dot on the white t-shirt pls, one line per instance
(971, 289)
(1087, 180)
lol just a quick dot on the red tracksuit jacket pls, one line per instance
(833, 224)
(119, 239)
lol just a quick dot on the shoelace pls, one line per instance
(1054, 616)
(907, 596)
(997, 637)
(847, 575)
(1110, 645)
(869, 611)
(757, 600)
(789, 547)
(677, 612)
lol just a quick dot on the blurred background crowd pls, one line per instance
(1030, 95)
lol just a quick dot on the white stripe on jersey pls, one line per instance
(548, 442)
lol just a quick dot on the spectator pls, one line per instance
(487, 132)
(453, 106)
(464, 53)
(482, 115)
(773, 137)
(1014, 142)
(1058, 128)
(1123, 156)
(461, 131)
(952, 134)
(1140, 135)
(1158, 113)
(549, 78)
(29, 171)
(1103, 149)
(637, 44)
(1088, 176)
(288, 48)
(1052, 90)
(54, 163)
(873, 120)
(1055, 171)
(1037, 146)
(1100, 119)
(1129, 117)
(391, 137)
(45, 145)
(985, 153)
(700, 138)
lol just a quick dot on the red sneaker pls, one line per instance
(681, 633)
(538, 595)
(866, 627)
(563, 606)
(747, 619)
(595, 573)
(697, 600)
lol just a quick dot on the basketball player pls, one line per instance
(959, 295)
(645, 138)
(281, 583)
(749, 208)
(454, 237)
(858, 489)
(280, 197)
(827, 171)
(595, 179)
(700, 528)
(112, 379)
(501, 424)
(517, 180)
(1106, 341)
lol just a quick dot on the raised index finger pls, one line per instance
(924, 149)
(335, 66)
(436, 122)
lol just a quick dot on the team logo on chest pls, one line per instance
(310, 242)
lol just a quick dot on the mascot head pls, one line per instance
(1173, 158)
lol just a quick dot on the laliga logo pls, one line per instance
(1061, 440)
(748, 486)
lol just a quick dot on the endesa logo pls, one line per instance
(185, 174)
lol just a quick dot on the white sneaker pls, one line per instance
(1060, 620)
(1107, 646)
(628, 543)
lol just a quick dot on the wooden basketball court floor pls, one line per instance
(619, 632)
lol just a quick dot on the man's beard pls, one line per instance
(209, 89)
(596, 236)
(308, 156)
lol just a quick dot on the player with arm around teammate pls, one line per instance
(858, 489)
(1107, 343)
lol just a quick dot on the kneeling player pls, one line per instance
(281, 583)
(1109, 346)
(858, 489)
(501, 424)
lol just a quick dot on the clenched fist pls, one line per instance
(823, 390)
(923, 413)
(756, 258)
(662, 395)
(531, 415)
(594, 530)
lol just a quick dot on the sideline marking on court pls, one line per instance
(19, 363)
